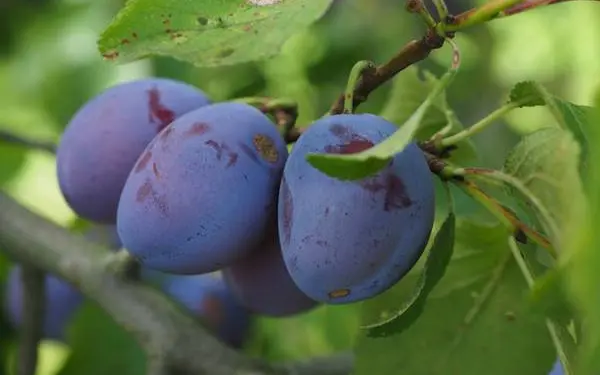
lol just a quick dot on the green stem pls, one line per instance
(353, 80)
(529, 278)
(266, 104)
(518, 185)
(479, 126)
(482, 14)
(441, 8)
(503, 215)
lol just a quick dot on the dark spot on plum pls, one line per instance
(226, 52)
(288, 211)
(376, 243)
(134, 35)
(222, 148)
(216, 146)
(202, 21)
(395, 191)
(211, 310)
(157, 110)
(340, 293)
(248, 151)
(166, 22)
(327, 211)
(266, 147)
(124, 41)
(155, 170)
(339, 131)
(247, 28)
(144, 191)
(197, 128)
(143, 161)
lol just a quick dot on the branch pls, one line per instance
(411, 53)
(164, 332)
(8, 137)
(34, 295)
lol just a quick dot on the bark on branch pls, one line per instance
(159, 326)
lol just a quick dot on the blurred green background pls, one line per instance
(49, 66)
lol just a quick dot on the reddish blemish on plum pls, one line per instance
(144, 191)
(211, 309)
(221, 149)
(158, 112)
(155, 170)
(199, 128)
(124, 41)
(394, 189)
(352, 147)
(143, 161)
(351, 142)
(288, 211)
(147, 191)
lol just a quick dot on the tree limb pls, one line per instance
(33, 280)
(148, 315)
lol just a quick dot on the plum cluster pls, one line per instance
(197, 188)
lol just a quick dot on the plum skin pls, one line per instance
(262, 283)
(346, 241)
(104, 138)
(62, 301)
(208, 297)
(203, 193)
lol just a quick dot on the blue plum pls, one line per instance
(106, 136)
(208, 297)
(204, 192)
(62, 301)
(346, 241)
(262, 283)
(557, 369)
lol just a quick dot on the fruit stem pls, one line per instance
(358, 70)
(124, 265)
(417, 6)
(506, 179)
(486, 12)
(441, 9)
(479, 126)
(10, 138)
(506, 217)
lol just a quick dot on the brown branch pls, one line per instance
(413, 52)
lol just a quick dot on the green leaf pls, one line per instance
(476, 319)
(546, 162)
(582, 259)
(100, 346)
(397, 320)
(407, 93)
(207, 32)
(572, 117)
(368, 162)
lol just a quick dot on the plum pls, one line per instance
(103, 140)
(262, 283)
(62, 301)
(204, 192)
(208, 297)
(346, 241)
